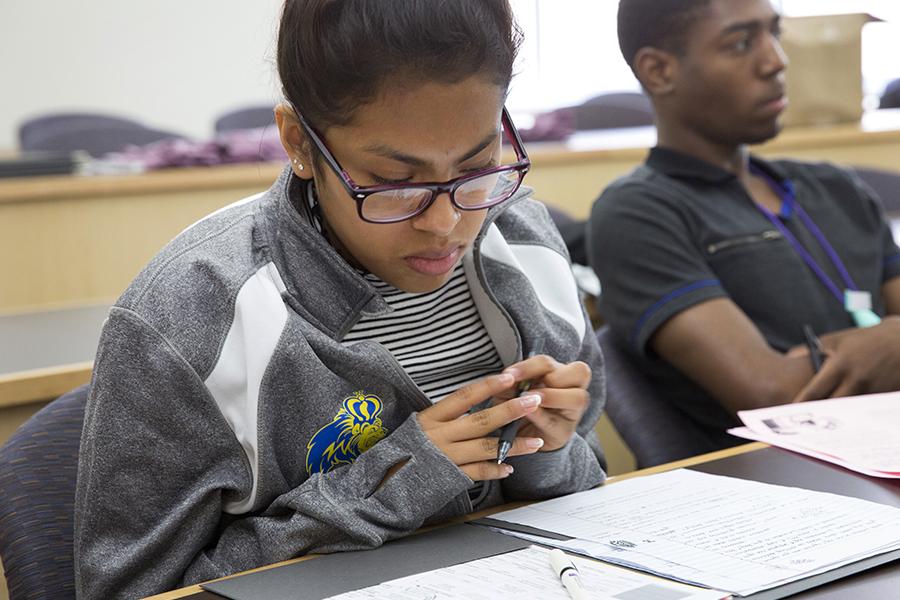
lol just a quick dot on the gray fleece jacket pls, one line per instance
(228, 427)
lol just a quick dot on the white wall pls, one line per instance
(570, 53)
(174, 64)
(177, 64)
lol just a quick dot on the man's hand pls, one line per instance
(463, 437)
(860, 361)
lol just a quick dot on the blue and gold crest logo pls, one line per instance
(355, 428)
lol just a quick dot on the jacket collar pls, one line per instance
(685, 166)
(319, 283)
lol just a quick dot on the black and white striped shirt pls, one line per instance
(437, 337)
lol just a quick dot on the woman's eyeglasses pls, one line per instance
(390, 203)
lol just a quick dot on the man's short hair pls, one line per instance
(662, 24)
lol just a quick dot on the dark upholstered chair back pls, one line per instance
(38, 468)
(891, 96)
(246, 118)
(884, 183)
(654, 430)
(610, 111)
(32, 131)
(98, 141)
(96, 134)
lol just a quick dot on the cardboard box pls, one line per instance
(824, 78)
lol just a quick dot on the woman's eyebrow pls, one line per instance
(392, 153)
(487, 141)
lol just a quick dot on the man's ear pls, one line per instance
(294, 140)
(657, 70)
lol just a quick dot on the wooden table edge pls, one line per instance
(36, 385)
(687, 462)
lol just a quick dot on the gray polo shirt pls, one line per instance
(678, 231)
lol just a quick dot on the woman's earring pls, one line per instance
(297, 162)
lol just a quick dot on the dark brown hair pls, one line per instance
(334, 55)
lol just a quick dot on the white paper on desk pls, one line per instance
(860, 431)
(719, 532)
(527, 574)
(749, 434)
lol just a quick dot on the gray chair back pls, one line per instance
(654, 430)
(98, 141)
(38, 469)
(891, 96)
(884, 183)
(246, 118)
(35, 129)
(609, 111)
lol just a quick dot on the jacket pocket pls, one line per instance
(744, 240)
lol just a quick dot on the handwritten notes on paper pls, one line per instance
(859, 433)
(527, 574)
(720, 532)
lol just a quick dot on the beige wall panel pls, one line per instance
(87, 250)
(573, 187)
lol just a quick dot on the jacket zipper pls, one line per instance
(477, 260)
(404, 377)
(765, 236)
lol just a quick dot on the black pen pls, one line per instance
(816, 352)
(509, 431)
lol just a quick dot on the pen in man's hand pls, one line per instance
(509, 431)
(816, 352)
(568, 574)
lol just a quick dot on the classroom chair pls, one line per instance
(39, 127)
(96, 134)
(891, 96)
(38, 469)
(654, 430)
(99, 141)
(252, 117)
(610, 111)
(886, 184)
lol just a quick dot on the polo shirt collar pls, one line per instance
(684, 166)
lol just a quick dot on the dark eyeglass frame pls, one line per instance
(359, 193)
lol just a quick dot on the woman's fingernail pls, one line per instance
(534, 443)
(530, 401)
(507, 470)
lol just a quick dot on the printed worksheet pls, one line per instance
(718, 532)
(527, 574)
(858, 432)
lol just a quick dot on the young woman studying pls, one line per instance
(325, 366)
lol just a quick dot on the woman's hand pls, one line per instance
(564, 398)
(463, 437)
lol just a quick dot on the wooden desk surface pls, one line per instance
(23, 189)
(757, 462)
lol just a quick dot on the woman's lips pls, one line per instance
(434, 263)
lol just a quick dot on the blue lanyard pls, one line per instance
(788, 197)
